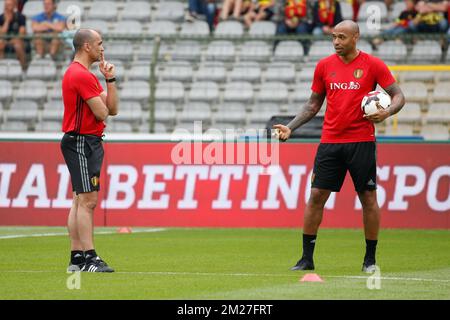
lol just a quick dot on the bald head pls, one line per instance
(347, 26)
(83, 36)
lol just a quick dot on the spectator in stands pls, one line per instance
(20, 5)
(430, 16)
(259, 10)
(205, 7)
(48, 22)
(236, 7)
(297, 17)
(13, 23)
(403, 21)
(326, 14)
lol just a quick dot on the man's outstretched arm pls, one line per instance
(308, 111)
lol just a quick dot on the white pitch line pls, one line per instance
(172, 273)
(53, 234)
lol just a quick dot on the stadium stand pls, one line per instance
(232, 76)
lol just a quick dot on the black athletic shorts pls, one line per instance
(84, 157)
(334, 159)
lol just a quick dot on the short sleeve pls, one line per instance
(22, 21)
(384, 76)
(88, 86)
(318, 85)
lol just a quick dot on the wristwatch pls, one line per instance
(110, 80)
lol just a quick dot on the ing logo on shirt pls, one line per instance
(352, 85)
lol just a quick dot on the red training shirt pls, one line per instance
(345, 86)
(78, 86)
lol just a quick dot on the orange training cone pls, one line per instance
(124, 230)
(311, 277)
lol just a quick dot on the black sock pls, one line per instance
(309, 241)
(371, 247)
(76, 257)
(90, 254)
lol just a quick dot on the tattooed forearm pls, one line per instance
(398, 99)
(308, 111)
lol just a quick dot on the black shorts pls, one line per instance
(334, 159)
(84, 156)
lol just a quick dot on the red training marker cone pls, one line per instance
(311, 277)
(124, 230)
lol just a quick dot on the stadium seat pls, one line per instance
(10, 69)
(255, 51)
(32, 90)
(289, 51)
(195, 111)
(204, 91)
(262, 28)
(230, 113)
(53, 110)
(262, 113)
(392, 50)
(423, 76)
(415, 91)
(409, 113)
(441, 92)
(346, 10)
(44, 69)
(120, 127)
(162, 28)
(118, 50)
(48, 126)
(98, 25)
(229, 29)
(399, 130)
(369, 30)
(137, 10)
(130, 111)
(301, 93)
(220, 50)
(197, 28)
(397, 8)
(170, 91)
(246, 71)
(365, 46)
(273, 91)
(212, 71)
(103, 10)
(144, 51)
(169, 10)
(225, 128)
(15, 126)
(135, 91)
(6, 90)
(435, 132)
(140, 70)
(320, 49)
(68, 8)
(176, 70)
(426, 51)
(280, 71)
(133, 28)
(165, 112)
(438, 113)
(238, 91)
(24, 110)
(187, 50)
(306, 75)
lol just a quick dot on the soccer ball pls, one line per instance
(368, 104)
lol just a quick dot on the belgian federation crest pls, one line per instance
(358, 73)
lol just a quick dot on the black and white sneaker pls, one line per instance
(303, 264)
(369, 267)
(96, 265)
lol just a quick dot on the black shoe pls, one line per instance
(368, 266)
(75, 267)
(96, 265)
(303, 264)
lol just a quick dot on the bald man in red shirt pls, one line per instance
(348, 136)
(86, 106)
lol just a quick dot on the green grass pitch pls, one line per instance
(174, 263)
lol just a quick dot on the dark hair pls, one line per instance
(81, 37)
